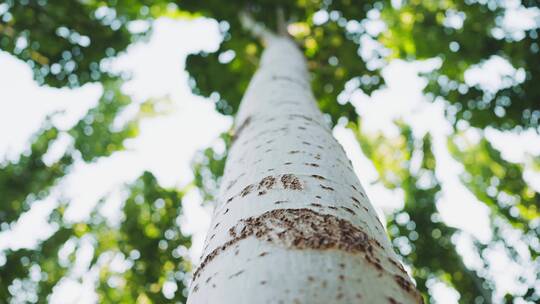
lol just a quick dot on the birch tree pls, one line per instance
(65, 43)
(292, 223)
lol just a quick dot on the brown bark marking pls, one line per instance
(349, 210)
(267, 183)
(408, 287)
(327, 187)
(299, 229)
(246, 190)
(393, 301)
(290, 181)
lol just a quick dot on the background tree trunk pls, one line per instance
(293, 224)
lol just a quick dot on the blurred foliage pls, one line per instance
(66, 43)
(496, 182)
(98, 133)
(150, 239)
(147, 242)
(209, 166)
(417, 230)
(28, 179)
(464, 34)
(346, 44)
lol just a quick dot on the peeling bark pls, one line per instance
(293, 224)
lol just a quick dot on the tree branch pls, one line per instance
(257, 29)
(281, 23)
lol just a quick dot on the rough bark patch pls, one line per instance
(297, 229)
(303, 229)
(290, 181)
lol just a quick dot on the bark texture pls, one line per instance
(293, 224)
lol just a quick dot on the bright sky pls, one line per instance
(167, 143)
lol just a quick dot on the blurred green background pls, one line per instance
(104, 199)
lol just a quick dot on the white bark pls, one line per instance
(293, 224)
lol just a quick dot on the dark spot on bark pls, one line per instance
(316, 205)
(397, 264)
(216, 225)
(226, 210)
(279, 202)
(230, 199)
(355, 200)
(318, 196)
(339, 296)
(263, 282)
(349, 210)
(290, 181)
(318, 156)
(267, 182)
(310, 278)
(393, 301)
(354, 187)
(320, 147)
(317, 176)
(327, 187)
(404, 283)
(246, 190)
(236, 274)
(332, 207)
(270, 141)
(341, 265)
(301, 116)
(287, 163)
(263, 192)
(267, 150)
(196, 288)
(341, 277)
(306, 143)
(370, 259)
(301, 128)
(294, 152)
(232, 232)
(311, 164)
(231, 184)
(263, 254)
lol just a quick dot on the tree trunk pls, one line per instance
(293, 224)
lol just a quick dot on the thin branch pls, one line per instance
(281, 23)
(257, 29)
